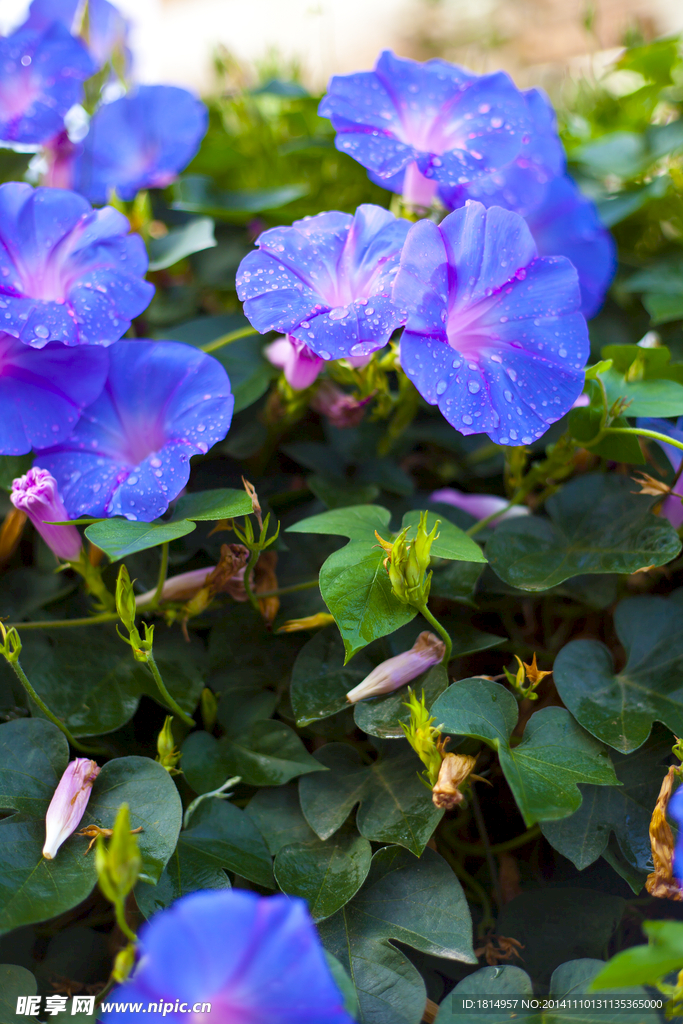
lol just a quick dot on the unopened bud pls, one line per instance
(300, 365)
(118, 865)
(36, 494)
(168, 754)
(125, 600)
(340, 409)
(209, 708)
(68, 803)
(455, 768)
(427, 650)
(124, 962)
(407, 563)
(309, 622)
(11, 644)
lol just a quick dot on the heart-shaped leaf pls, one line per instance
(210, 506)
(119, 538)
(326, 873)
(544, 769)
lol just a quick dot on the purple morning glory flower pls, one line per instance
(43, 392)
(106, 29)
(478, 505)
(435, 120)
(67, 272)
(254, 959)
(326, 281)
(494, 336)
(672, 507)
(675, 810)
(567, 223)
(142, 140)
(41, 77)
(162, 403)
(301, 367)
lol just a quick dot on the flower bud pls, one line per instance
(427, 650)
(454, 770)
(118, 865)
(209, 709)
(125, 600)
(11, 644)
(168, 754)
(301, 366)
(68, 804)
(36, 494)
(407, 563)
(308, 622)
(124, 962)
(341, 410)
(478, 505)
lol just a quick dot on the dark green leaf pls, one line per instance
(187, 871)
(544, 769)
(14, 982)
(457, 581)
(197, 194)
(33, 756)
(340, 494)
(419, 903)
(395, 807)
(622, 153)
(278, 816)
(579, 977)
(325, 873)
(226, 837)
(270, 754)
(491, 983)
(596, 525)
(623, 810)
(180, 242)
(212, 505)
(620, 707)
(320, 680)
(382, 716)
(12, 466)
(121, 537)
(357, 522)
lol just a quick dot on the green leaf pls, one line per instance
(395, 807)
(341, 494)
(187, 871)
(357, 522)
(614, 209)
(451, 542)
(580, 977)
(33, 757)
(121, 537)
(278, 816)
(225, 836)
(622, 153)
(212, 505)
(620, 707)
(382, 716)
(12, 466)
(417, 902)
(646, 397)
(14, 982)
(595, 525)
(544, 769)
(645, 965)
(192, 237)
(198, 194)
(457, 581)
(325, 873)
(269, 754)
(356, 588)
(623, 810)
(321, 680)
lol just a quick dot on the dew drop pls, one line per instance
(467, 419)
(41, 331)
(473, 386)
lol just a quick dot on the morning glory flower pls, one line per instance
(478, 505)
(36, 495)
(675, 810)
(494, 336)
(42, 393)
(672, 507)
(41, 77)
(141, 140)
(162, 403)
(104, 32)
(326, 281)
(254, 959)
(299, 364)
(68, 803)
(436, 121)
(67, 272)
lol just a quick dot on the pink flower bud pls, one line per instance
(478, 505)
(68, 804)
(300, 365)
(341, 410)
(672, 509)
(36, 494)
(427, 650)
(178, 588)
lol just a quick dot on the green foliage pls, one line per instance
(646, 965)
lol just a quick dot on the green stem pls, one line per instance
(488, 852)
(163, 571)
(226, 339)
(172, 704)
(475, 850)
(91, 620)
(425, 612)
(643, 432)
(23, 679)
(106, 990)
(476, 527)
(308, 585)
(120, 911)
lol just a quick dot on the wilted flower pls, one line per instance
(455, 769)
(68, 273)
(42, 392)
(341, 409)
(326, 281)
(36, 494)
(435, 120)
(427, 650)
(667, 864)
(129, 455)
(308, 622)
(68, 804)
(478, 505)
(141, 140)
(41, 77)
(300, 365)
(253, 958)
(494, 336)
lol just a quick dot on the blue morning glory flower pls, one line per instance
(435, 120)
(105, 31)
(675, 810)
(141, 140)
(672, 508)
(67, 272)
(43, 392)
(326, 281)
(162, 403)
(494, 335)
(254, 959)
(41, 77)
